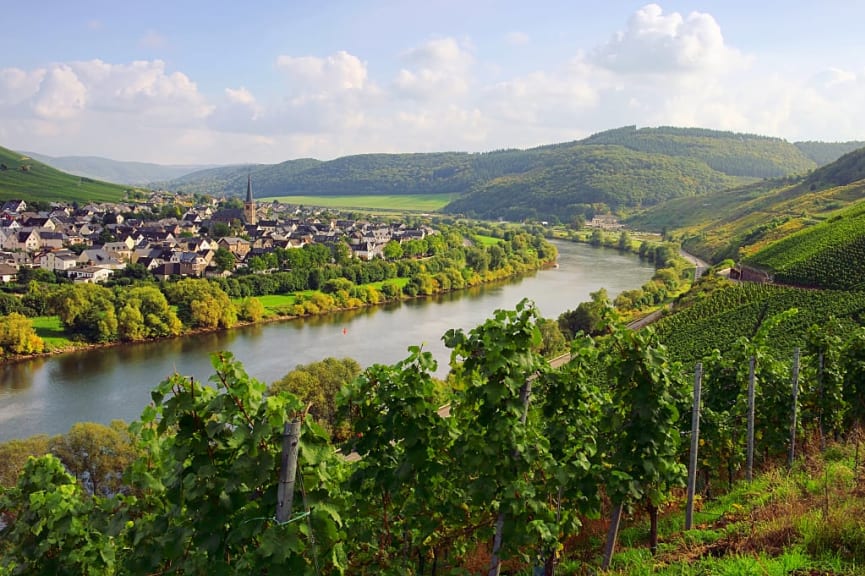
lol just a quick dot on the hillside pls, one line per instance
(742, 221)
(26, 178)
(131, 173)
(621, 169)
(830, 254)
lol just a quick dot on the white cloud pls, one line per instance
(61, 95)
(322, 77)
(240, 96)
(437, 70)
(654, 42)
(17, 86)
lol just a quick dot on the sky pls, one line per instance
(264, 81)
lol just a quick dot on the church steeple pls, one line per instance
(249, 206)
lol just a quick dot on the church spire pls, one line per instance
(249, 206)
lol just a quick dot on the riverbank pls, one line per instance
(57, 342)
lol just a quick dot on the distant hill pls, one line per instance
(827, 152)
(231, 180)
(742, 221)
(22, 177)
(132, 173)
(625, 168)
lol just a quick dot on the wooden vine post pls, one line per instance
(793, 423)
(749, 470)
(287, 470)
(695, 444)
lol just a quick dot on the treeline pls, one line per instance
(524, 455)
(320, 278)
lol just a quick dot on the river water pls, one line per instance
(48, 395)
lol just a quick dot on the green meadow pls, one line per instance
(383, 203)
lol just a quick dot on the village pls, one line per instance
(89, 243)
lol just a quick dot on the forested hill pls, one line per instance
(22, 177)
(622, 168)
(747, 155)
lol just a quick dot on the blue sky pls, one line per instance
(191, 81)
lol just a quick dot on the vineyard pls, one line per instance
(828, 255)
(504, 484)
(720, 319)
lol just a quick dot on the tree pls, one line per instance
(87, 310)
(201, 304)
(318, 384)
(624, 242)
(224, 259)
(144, 313)
(106, 236)
(341, 252)
(14, 455)
(391, 291)
(392, 250)
(553, 342)
(587, 317)
(10, 303)
(219, 230)
(96, 455)
(251, 310)
(17, 335)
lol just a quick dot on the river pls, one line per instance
(48, 395)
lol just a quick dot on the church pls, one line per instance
(248, 215)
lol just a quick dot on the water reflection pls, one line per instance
(47, 395)
(16, 376)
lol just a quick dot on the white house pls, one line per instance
(91, 274)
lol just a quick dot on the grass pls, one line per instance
(276, 304)
(487, 240)
(383, 203)
(50, 329)
(807, 521)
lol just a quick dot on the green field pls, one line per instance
(487, 240)
(273, 303)
(383, 203)
(51, 330)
